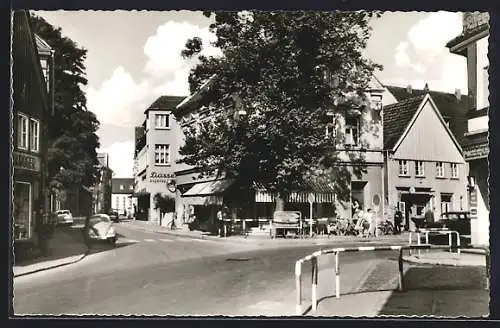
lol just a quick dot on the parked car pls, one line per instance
(457, 221)
(64, 217)
(113, 215)
(99, 227)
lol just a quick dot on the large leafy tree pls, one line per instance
(72, 130)
(287, 71)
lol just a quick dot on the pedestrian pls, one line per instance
(41, 229)
(429, 216)
(398, 220)
(220, 222)
(372, 224)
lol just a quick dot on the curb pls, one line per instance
(82, 256)
(440, 263)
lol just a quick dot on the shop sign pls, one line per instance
(472, 20)
(286, 217)
(159, 177)
(476, 152)
(473, 204)
(26, 162)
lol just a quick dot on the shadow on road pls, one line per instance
(441, 291)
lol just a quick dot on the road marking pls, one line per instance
(130, 241)
(149, 240)
(166, 240)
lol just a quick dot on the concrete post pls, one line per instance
(314, 295)
(337, 275)
(298, 286)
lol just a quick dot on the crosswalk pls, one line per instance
(160, 240)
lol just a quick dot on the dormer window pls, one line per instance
(162, 121)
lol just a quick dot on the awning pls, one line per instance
(140, 194)
(323, 193)
(203, 200)
(209, 188)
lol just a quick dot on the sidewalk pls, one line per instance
(264, 239)
(456, 288)
(467, 257)
(65, 247)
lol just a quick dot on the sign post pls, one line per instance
(310, 198)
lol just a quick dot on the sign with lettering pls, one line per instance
(476, 151)
(26, 162)
(472, 20)
(159, 177)
(286, 217)
(473, 204)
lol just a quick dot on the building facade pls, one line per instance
(122, 200)
(424, 164)
(158, 141)
(472, 44)
(32, 104)
(101, 191)
(363, 138)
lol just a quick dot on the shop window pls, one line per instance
(34, 135)
(352, 131)
(440, 169)
(22, 131)
(162, 156)
(162, 121)
(419, 169)
(121, 187)
(454, 170)
(22, 210)
(403, 168)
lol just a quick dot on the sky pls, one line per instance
(134, 57)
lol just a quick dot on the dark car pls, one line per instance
(457, 221)
(113, 215)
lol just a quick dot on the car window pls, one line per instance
(97, 219)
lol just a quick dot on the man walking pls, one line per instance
(398, 219)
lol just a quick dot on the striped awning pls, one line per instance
(209, 188)
(323, 193)
(203, 200)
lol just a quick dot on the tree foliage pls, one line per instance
(72, 130)
(286, 70)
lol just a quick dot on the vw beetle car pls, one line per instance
(99, 228)
(64, 217)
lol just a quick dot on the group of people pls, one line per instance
(366, 221)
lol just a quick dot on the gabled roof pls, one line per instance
(448, 105)
(397, 117)
(125, 182)
(165, 103)
(42, 46)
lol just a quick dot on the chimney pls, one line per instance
(408, 88)
(458, 94)
(426, 87)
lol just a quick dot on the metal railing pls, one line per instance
(336, 251)
(439, 231)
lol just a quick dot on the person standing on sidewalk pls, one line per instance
(42, 230)
(398, 220)
(429, 217)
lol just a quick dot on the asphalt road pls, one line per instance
(157, 274)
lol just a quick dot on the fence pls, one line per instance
(336, 251)
(439, 231)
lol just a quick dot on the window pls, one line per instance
(46, 69)
(130, 187)
(34, 135)
(330, 131)
(22, 210)
(351, 131)
(454, 170)
(486, 85)
(162, 121)
(440, 170)
(376, 102)
(446, 203)
(419, 169)
(121, 187)
(22, 132)
(162, 155)
(403, 168)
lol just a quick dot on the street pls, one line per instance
(150, 273)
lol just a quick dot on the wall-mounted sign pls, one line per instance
(476, 151)
(472, 20)
(473, 204)
(159, 177)
(286, 217)
(26, 162)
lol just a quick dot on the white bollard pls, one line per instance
(314, 291)
(458, 243)
(337, 275)
(418, 242)
(298, 285)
